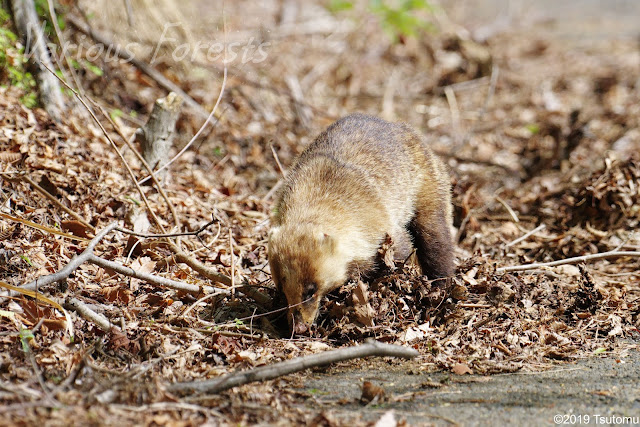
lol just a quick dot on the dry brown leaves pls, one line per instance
(532, 147)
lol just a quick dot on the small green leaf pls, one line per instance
(136, 202)
(600, 350)
(29, 100)
(115, 113)
(25, 336)
(533, 128)
(339, 5)
(94, 69)
(26, 259)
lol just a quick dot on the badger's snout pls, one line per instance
(296, 324)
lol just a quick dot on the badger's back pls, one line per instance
(361, 166)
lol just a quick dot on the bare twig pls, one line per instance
(88, 256)
(167, 407)
(472, 305)
(233, 261)
(277, 159)
(73, 376)
(460, 86)
(192, 306)
(207, 272)
(151, 236)
(526, 236)
(156, 280)
(41, 227)
(574, 260)
(264, 373)
(51, 198)
(75, 262)
(512, 213)
(87, 313)
(56, 27)
(464, 159)
(38, 373)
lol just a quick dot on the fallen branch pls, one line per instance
(207, 272)
(574, 260)
(87, 313)
(155, 280)
(264, 373)
(88, 256)
(75, 262)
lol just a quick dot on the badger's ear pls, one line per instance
(326, 241)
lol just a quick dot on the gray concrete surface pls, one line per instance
(597, 391)
(578, 20)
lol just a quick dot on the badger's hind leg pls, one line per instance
(430, 229)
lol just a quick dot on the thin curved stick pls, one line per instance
(574, 260)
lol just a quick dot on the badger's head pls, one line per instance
(306, 264)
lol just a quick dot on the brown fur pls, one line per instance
(359, 180)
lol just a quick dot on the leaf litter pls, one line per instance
(575, 170)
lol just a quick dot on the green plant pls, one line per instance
(42, 9)
(25, 336)
(26, 259)
(340, 5)
(400, 18)
(13, 63)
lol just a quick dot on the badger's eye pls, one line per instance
(309, 290)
